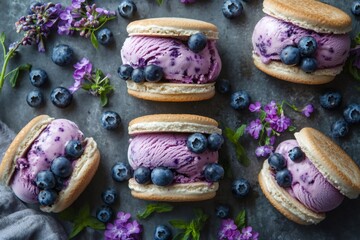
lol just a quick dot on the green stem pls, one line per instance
(7, 57)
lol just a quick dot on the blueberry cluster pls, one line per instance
(38, 78)
(150, 73)
(301, 55)
(198, 142)
(51, 181)
(105, 212)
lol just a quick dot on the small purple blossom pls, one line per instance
(248, 234)
(254, 128)
(229, 231)
(282, 124)
(102, 11)
(271, 108)
(77, 3)
(82, 69)
(122, 228)
(263, 151)
(307, 110)
(187, 1)
(255, 107)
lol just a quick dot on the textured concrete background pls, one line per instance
(235, 49)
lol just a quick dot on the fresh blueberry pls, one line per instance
(74, 149)
(32, 7)
(45, 180)
(38, 77)
(352, 113)
(213, 172)
(162, 176)
(240, 100)
(290, 55)
(109, 196)
(296, 154)
(222, 86)
(232, 8)
(61, 166)
(340, 128)
(104, 214)
(307, 46)
(222, 211)
(34, 98)
(62, 55)
(61, 97)
(277, 161)
(127, 9)
(153, 73)
(197, 42)
(47, 197)
(104, 36)
(284, 178)
(308, 65)
(215, 141)
(240, 187)
(121, 171)
(60, 183)
(142, 175)
(196, 143)
(125, 71)
(162, 232)
(110, 120)
(330, 99)
(138, 75)
(355, 8)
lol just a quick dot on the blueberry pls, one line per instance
(240, 187)
(213, 172)
(125, 71)
(307, 46)
(142, 175)
(61, 166)
(355, 8)
(296, 154)
(61, 97)
(121, 171)
(308, 65)
(232, 8)
(47, 197)
(60, 183)
(277, 161)
(215, 141)
(162, 176)
(222, 211)
(38, 77)
(45, 180)
(330, 99)
(153, 73)
(290, 55)
(240, 100)
(74, 149)
(222, 86)
(110, 120)
(197, 143)
(104, 214)
(197, 42)
(104, 36)
(340, 128)
(34, 98)
(109, 196)
(162, 232)
(352, 113)
(62, 55)
(138, 75)
(127, 9)
(284, 178)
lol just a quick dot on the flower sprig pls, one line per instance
(123, 228)
(95, 82)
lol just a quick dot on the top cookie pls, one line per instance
(172, 27)
(309, 14)
(333, 163)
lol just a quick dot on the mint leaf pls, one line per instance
(157, 207)
(234, 137)
(76, 230)
(354, 71)
(239, 132)
(2, 37)
(241, 155)
(291, 128)
(357, 39)
(14, 74)
(193, 228)
(94, 40)
(240, 219)
(179, 224)
(93, 223)
(159, 2)
(229, 134)
(25, 67)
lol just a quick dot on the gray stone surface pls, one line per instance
(235, 49)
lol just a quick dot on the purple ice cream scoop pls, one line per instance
(179, 63)
(47, 146)
(272, 35)
(308, 185)
(169, 150)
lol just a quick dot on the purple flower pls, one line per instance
(123, 217)
(82, 69)
(272, 119)
(77, 3)
(356, 51)
(281, 124)
(272, 140)
(187, 1)
(123, 229)
(307, 110)
(64, 28)
(133, 227)
(102, 11)
(271, 108)
(263, 151)
(255, 107)
(254, 128)
(248, 234)
(227, 229)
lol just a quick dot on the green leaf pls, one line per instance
(67, 215)
(76, 230)
(229, 134)
(2, 37)
(86, 86)
(354, 71)
(94, 40)
(179, 224)
(25, 67)
(103, 99)
(157, 207)
(242, 155)
(159, 2)
(357, 39)
(93, 223)
(262, 116)
(240, 219)
(291, 128)
(239, 132)
(179, 236)
(13, 76)
(84, 211)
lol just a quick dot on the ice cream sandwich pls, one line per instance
(160, 141)
(187, 75)
(35, 149)
(286, 23)
(321, 174)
